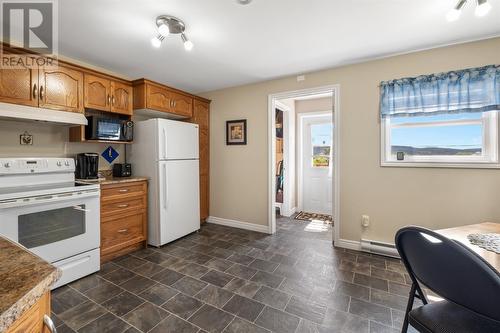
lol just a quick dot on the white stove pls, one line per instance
(46, 211)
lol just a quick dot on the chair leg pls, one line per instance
(409, 307)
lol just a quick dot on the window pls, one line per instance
(454, 139)
(321, 141)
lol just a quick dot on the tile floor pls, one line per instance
(230, 280)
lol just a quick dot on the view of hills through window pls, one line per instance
(446, 135)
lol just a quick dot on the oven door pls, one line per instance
(54, 226)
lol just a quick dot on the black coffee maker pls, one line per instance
(87, 166)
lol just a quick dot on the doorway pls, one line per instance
(306, 178)
(315, 176)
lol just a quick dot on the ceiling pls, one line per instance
(236, 44)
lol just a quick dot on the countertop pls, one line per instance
(24, 278)
(114, 180)
(118, 180)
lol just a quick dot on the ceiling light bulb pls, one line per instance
(163, 29)
(156, 42)
(483, 8)
(188, 45)
(453, 15)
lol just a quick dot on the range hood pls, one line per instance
(31, 113)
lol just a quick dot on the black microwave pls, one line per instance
(103, 128)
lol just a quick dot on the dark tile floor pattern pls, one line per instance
(230, 280)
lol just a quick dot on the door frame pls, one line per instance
(300, 155)
(272, 98)
(287, 207)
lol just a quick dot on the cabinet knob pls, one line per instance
(35, 91)
(109, 99)
(113, 100)
(41, 92)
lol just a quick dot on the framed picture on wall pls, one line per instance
(236, 132)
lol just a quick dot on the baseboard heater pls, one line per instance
(375, 247)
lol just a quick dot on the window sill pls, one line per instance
(474, 165)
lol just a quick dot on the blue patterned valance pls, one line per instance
(469, 90)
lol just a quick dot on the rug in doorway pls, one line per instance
(304, 216)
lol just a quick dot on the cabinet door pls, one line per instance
(204, 151)
(201, 113)
(61, 89)
(19, 86)
(97, 91)
(204, 197)
(182, 105)
(158, 98)
(121, 98)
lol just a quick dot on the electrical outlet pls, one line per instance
(26, 139)
(365, 221)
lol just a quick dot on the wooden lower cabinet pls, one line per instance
(124, 218)
(32, 320)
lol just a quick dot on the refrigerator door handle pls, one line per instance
(164, 137)
(165, 189)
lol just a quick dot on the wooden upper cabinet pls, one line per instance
(200, 113)
(121, 98)
(182, 104)
(97, 91)
(19, 86)
(61, 89)
(158, 98)
(154, 96)
(106, 94)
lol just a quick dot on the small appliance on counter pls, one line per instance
(122, 170)
(87, 166)
(107, 128)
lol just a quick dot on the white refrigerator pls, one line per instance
(167, 152)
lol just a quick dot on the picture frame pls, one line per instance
(236, 132)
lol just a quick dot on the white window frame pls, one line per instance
(488, 159)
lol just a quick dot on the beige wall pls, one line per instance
(393, 197)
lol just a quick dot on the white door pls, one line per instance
(179, 198)
(317, 164)
(177, 140)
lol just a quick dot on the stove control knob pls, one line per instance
(7, 164)
(59, 163)
(66, 163)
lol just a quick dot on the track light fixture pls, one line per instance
(482, 8)
(170, 25)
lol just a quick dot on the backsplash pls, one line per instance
(49, 140)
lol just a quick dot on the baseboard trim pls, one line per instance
(238, 224)
(348, 244)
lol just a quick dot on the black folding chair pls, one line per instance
(469, 285)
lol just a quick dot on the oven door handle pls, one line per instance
(44, 199)
(81, 209)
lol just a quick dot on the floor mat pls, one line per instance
(304, 216)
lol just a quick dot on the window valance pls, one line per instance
(468, 90)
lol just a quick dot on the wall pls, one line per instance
(48, 141)
(393, 197)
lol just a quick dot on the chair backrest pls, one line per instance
(451, 270)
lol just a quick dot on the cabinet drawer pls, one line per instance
(111, 208)
(122, 191)
(122, 230)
